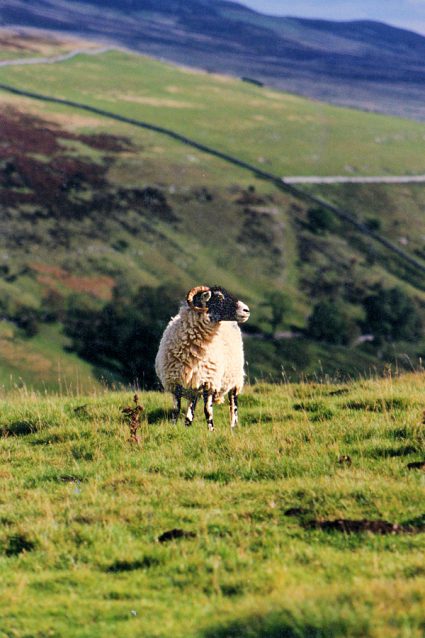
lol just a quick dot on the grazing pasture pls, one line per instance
(291, 134)
(306, 521)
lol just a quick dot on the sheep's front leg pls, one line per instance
(208, 409)
(233, 401)
(190, 414)
(178, 393)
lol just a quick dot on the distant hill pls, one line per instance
(364, 64)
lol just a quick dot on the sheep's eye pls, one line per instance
(220, 295)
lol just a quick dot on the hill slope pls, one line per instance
(364, 64)
(89, 205)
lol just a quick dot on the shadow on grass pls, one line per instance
(255, 419)
(419, 521)
(318, 411)
(156, 416)
(416, 465)
(284, 625)
(354, 526)
(20, 428)
(392, 452)
(338, 392)
(130, 566)
(400, 433)
(381, 405)
(17, 544)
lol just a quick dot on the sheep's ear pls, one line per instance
(205, 297)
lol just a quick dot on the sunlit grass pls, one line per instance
(82, 509)
(289, 134)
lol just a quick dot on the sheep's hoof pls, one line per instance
(188, 423)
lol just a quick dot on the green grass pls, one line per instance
(289, 134)
(42, 363)
(82, 509)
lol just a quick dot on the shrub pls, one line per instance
(392, 315)
(321, 220)
(123, 337)
(373, 223)
(27, 320)
(279, 304)
(330, 322)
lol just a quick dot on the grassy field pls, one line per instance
(292, 135)
(258, 554)
(42, 362)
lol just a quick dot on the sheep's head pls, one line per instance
(219, 304)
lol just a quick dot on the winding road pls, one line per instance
(56, 58)
(345, 179)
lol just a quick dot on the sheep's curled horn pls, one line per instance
(194, 291)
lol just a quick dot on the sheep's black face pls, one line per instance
(221, 305)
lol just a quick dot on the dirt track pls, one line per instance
(55, 58)
(345, 179)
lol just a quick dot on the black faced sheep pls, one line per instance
(201, 351)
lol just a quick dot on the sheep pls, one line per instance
(201, 352)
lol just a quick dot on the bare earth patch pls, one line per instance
(20, 357)
(38, 42)
(153, 101)
(347, 526)
(53, 277)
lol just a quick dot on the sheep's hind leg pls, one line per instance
(233, 401)
(190, 414)
(178, 392)
(208, 409)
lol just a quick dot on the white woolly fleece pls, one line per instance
(196, 353)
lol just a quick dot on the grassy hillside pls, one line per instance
(307, 521)
(365, 64)
(89, 204)
(15, 44)
(294, 135)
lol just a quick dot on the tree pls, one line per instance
(279, 304)
(330, 322)
(392, 315)
(321, 220)
(27, 319)
(123, 337)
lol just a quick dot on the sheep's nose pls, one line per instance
(243, 312)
